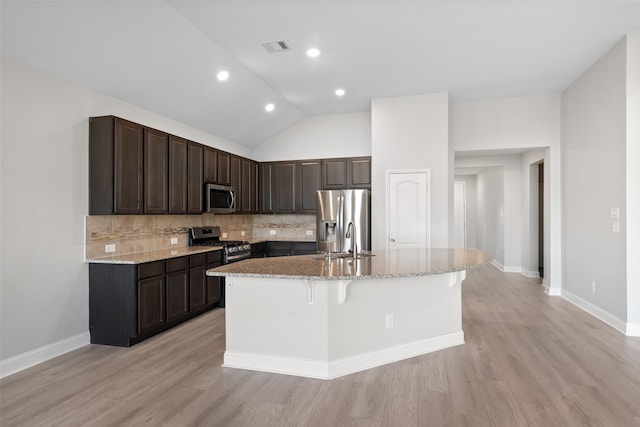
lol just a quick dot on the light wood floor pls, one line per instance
(529, 359)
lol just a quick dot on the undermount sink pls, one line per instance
(336, 255)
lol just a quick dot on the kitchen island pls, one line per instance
(326, 317)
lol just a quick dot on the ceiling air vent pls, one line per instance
(274, 47)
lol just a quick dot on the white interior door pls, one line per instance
(408, 209)
(459, 215)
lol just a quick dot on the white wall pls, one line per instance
(522, 122)
(44, 181)
(332, 135)
(633, 184)
(490, 213)
(594, 178)
(411, 132)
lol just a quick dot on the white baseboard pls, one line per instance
(506, 269)
(497, 264)
(608, 318)
(33, 357)
(633, 330)
(327, 370)
(531, 274)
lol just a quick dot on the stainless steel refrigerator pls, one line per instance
(343, 220)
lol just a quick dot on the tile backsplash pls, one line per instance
(141, 233)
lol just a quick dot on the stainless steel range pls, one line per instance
(232, 250)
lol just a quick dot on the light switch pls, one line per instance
(615, 213)
(615, 226)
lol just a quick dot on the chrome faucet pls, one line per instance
(351, 231)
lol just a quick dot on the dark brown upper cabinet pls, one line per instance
(178, 159)
(359, 172)
(248, 186)
(224, 168)
(286, 187)
(267, 188)
(195, 185)
(236, 178)
(116, 162)
(156, 172)
(334, 174)
(310, 181)
(210, 165)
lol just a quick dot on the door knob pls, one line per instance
(393, 240)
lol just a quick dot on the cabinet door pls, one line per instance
(214, 287)
(210, 165)
(334, 174)
(248, 188)
(285, 187)
(178, 149)
(156, 172)
(310, 183)
(224, 168)
(236, 181)
(197, 288)
(267, 190)
(151, 303)
(128, 167)
(177, 295)
(195, 186)
(359, 172)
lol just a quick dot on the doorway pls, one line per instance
(541, 219)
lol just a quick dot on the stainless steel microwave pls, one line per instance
(220, 198)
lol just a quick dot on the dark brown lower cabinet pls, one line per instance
(197, 282)
(151, 304)
(214, 283)
(129, 303)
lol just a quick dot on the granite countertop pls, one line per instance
(148, 256)
(382, 264)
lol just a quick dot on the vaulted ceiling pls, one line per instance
(164, 55)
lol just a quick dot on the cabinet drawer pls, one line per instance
(197, 260)
(150, 269)
(214, 257)
(177, 264)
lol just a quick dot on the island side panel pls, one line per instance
(309, 328)
(386, 320)
(271, 326)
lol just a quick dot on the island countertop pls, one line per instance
(379, 265)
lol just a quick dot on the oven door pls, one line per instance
(220, 198)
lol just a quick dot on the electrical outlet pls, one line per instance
(593, 286)
(242, 233)
(309, 232)
(389, 321)
(615, 226)
(272, 232)
(614, 213)
(109, 248)
(224, 235)
(174, 240)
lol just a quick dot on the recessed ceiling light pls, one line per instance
(223, 75)
(340, 92)
(269, 107)
(313, 52)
